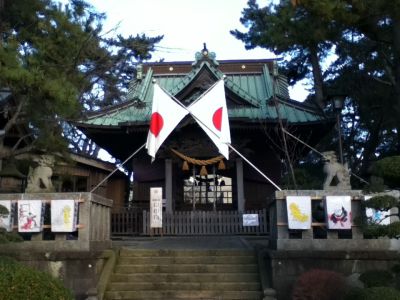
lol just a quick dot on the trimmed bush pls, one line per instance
(319, 285)
(20, 282)
(375, 278)
(381, 202)
(389, 169)
(374, 293)
(3, 210)
(7, 237)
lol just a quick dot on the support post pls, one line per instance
(240, 185)
(168, 186)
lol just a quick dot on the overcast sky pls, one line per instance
(186, 25)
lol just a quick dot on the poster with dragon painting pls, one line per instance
(30, 215)
(338, 212)
(374, 216)
(6, 215)
(299, 212)
(63, 215)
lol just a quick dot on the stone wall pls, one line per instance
(286, 266)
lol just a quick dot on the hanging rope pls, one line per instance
(198, 162)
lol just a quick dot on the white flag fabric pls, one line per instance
(299, 212)
(165, 116)
(211, 112)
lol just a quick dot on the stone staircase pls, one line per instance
(185, 274)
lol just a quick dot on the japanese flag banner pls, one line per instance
(166, 114)
(211, 112)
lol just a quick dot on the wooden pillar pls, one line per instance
(240, 185)
(168, 186)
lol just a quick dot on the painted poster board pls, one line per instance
(6, 221)
(376, 216)
(156, 207)
(338, 212)
(298, 212)
(63, 215)
(250, 220)
(30, 214)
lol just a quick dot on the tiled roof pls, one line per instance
(255, 89)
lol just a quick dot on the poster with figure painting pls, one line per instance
(6, 219)
(63, 215)
(298, 212)
(377, 216)
(338, 212)
(30, 215)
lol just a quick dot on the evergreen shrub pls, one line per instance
(7, 237)
(389, 169)
(374, 293)
(375, 278)
(21, 282)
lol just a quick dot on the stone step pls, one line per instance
(185, 274)
(126, 252)
(184, 286)
(185, 277)
(174, 294)
(187, 268)
(222, 259)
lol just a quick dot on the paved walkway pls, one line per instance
(193, 242)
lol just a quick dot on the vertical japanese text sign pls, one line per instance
(156, 207)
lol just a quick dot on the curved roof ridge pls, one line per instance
(300, 105)
(185, 81)
(145, 86)
(192, 75)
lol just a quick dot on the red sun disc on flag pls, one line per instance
(217, 119)
(156, 123)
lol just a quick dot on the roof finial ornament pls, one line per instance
(205, 56)
(205, 50)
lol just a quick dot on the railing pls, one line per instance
(205, 223)
(137, 222)
(126, 221)
(93, 228)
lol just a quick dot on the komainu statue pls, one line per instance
(334, 169)
(39, 178)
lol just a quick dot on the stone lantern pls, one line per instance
(11, 179)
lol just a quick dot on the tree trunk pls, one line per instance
(396, 50)
(317, 75)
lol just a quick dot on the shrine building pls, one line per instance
(188, 167)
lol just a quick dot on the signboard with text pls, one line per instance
(156, 207)
(250, 220)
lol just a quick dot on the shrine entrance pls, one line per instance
(207, 192)
(206, 186)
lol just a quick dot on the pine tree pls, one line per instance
(364, 37)
(56, 63)
(291, 31)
